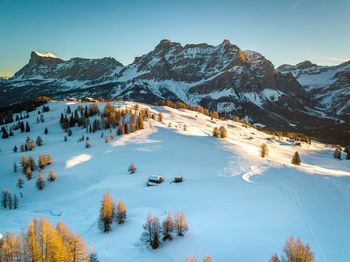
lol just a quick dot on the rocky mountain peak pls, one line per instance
(165, 44)
(225, 42)
(305, 64)
(48, 58)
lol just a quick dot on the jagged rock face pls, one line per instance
(327, 85)
(49, 67)
(222, 78)
(192, 63)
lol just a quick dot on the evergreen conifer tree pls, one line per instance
(180, 223)
(274, 258)
(207, 258)
(296, 159)
(216, 132)
(160, 117)
(120, 129)
(121, 212)
(150, 236)
(168, 228)
(24, 162)
(39, 141)
(132, 127)
(297, 251)
(15, 201)
(28, 173)
(92, 256)
(223, 132)
(140, 121)
(31, 162)
(4, 133)
(20, 181)
(4, 194)
(49, 159)
(126, 128)
(9, 200)
(42, 161)
(40, 183)
(264, 151)
(52, 176)
(132, 168)
(156, 232)
(27, 127)
(107, 213)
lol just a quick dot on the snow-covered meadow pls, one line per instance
(239, 207)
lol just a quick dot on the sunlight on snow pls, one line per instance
(77, 160)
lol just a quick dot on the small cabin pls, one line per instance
(156, 179)
(178, 179)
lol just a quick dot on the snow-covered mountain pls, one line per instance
(222, 78)
(328, 85)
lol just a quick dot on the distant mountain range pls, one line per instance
(222, 78)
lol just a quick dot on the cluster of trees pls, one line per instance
(220, 132)
(40, 183)
(41, 118)
(244, 123)
(294, 251)
(8, 200)
(126, 120)
(79, 116)
(20, 125)
(109, 213)
(28, 165)
(41, 241)
(154, 232)
(29, 144)
(7, 113)
(181, 105)
(295, 136)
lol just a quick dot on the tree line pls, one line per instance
(41, 241)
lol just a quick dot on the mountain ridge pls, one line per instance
(222, 78)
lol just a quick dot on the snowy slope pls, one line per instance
(239, 207)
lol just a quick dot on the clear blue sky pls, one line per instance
(284, 31)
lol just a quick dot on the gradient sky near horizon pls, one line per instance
(284, 31)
